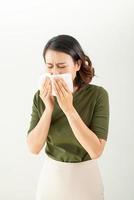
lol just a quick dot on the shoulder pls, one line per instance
(36, 96)
(103, 93)
(98, 94)
(37, 93)
(102, 97)
(99, 90)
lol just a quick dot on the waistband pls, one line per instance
(52, 161)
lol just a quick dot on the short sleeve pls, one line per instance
(34, 114)
(100, 119)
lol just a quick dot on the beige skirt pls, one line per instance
(69, 181)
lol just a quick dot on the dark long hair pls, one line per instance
(69, 45)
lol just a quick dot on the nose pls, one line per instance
(55, 70)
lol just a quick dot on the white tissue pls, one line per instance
(66, 76)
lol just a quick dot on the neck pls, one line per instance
(75, 88)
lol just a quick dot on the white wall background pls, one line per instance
(105, 29)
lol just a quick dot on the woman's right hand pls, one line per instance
(45, 94)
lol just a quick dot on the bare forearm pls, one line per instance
(37, 137)
(84, 135)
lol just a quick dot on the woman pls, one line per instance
(72, 125)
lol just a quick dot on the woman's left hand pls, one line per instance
(64, 95)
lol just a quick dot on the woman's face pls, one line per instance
(60, 62)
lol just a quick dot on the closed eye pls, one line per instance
(58, 67)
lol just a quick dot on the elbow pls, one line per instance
(99, 151)
(33, 150)
(96, 155)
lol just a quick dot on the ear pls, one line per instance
(78, 65)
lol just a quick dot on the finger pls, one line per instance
(64, 85)
(46, 92)
(45, 85)
(45, 82)
(61, 86)
(57, 89)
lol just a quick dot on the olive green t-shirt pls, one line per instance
(92, 104)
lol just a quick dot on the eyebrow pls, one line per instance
(60, 63)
